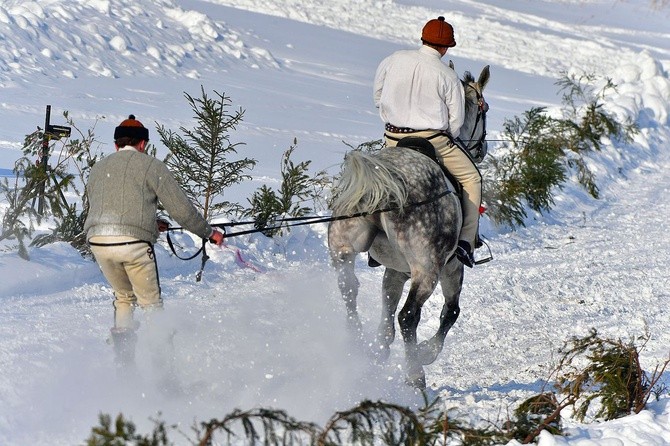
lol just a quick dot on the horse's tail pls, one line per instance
(368, 183)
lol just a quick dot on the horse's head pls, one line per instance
(473, 131)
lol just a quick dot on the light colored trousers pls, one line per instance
(132, 272)
(463, 169)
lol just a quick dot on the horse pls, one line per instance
(398, 205)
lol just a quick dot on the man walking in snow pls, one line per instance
(418, 95)
(121, 227)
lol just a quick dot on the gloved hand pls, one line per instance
(162, 225)
(216, 237)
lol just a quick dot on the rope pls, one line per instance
(171, 245)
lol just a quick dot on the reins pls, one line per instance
(478, 146)
(310, 220)
(299, 221)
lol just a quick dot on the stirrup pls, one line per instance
(489, 256)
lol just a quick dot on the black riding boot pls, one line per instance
(124, 341)
(464, 253)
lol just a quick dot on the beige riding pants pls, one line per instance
(463, 169)
(132, 272)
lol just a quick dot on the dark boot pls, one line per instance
(464, 254)
(124, 341)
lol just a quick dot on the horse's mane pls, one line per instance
(368, 183)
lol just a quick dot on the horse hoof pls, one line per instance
(427, 353)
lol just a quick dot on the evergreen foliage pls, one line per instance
(541, 151)
(526, 174)
(122, 433)
(595, 375)
(50, 183)
(201, 159)
(298, 195)
(537, 413)
(370, 146)
(592, 369)
(82, 154)
(17, 221)
(612, 376)
(367, 424)
(265, 426)
(586, 124)
(370, 423)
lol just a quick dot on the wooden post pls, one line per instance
(44, 160)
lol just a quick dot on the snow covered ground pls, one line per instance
(265, 327)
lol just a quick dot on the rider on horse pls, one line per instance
(418, 95)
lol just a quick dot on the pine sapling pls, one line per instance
(297, 196)
(201, 158)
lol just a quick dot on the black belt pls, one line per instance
(393, 129)
(132, 242)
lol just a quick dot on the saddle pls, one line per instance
(425, 147)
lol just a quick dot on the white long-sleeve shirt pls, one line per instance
(414, 89)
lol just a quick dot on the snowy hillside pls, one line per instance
(266, 326)
(66, 40)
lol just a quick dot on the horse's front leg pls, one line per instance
(392, 286)
(421, 288)
(451, 280)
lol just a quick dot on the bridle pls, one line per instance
(477, 148)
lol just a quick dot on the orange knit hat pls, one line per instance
(439, 33)
(131, 128)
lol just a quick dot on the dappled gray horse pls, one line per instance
(406, 213)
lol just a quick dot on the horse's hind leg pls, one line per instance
(346, 238)
(451, 281)
(392, 286)
(348, 284)
(421, 288)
